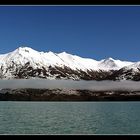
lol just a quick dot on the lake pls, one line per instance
(69, 117)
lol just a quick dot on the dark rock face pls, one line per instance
(127, 74)
(27, 71)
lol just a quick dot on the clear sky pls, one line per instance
(97, 32)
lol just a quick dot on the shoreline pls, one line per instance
(29, 94)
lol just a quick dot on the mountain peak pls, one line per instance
(109, 58)
(64, 53)
(25, 51)
(24, 48)
(108, 63)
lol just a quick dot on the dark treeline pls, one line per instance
(67, 95)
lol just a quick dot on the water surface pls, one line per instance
(69, 117)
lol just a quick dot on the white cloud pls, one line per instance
(70, 84)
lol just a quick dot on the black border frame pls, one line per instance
(66, 2)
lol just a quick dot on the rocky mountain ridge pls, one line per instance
(25, 63)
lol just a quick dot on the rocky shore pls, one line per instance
(67, 95)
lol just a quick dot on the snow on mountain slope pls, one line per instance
(134, 67)
(111, 63)
(76, 62)
(22, 55)
(27, 62)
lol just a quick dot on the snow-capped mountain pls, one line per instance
(111, 64)
(24, 62)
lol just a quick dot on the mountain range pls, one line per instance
(25, 63)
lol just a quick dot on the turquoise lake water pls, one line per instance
(69, 117)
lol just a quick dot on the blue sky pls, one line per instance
(97, 32)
